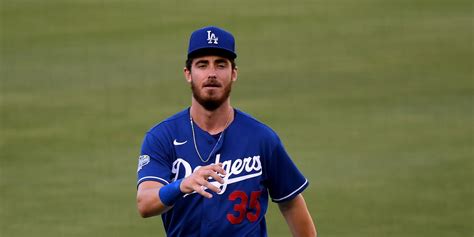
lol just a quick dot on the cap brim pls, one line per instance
(212, 51)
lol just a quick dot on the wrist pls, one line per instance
(170, 193)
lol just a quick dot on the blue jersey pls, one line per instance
(257, 167)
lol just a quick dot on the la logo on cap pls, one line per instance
(211, 38)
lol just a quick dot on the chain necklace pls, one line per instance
(195, 143)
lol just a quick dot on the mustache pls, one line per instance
(212, 83)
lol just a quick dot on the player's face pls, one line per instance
(211, 80)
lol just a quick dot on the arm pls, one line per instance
(298, 218)
(148, 198)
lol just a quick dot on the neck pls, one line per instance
(214, 121)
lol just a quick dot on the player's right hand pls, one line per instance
(198, 180)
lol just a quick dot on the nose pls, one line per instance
(212, 73)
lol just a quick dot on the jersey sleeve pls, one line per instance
(154, 163)
(285, 181)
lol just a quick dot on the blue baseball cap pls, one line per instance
(212, 40)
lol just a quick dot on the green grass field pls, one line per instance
(373, 100)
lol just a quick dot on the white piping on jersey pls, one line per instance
(289, 195)
(153, 177)
(229, 181)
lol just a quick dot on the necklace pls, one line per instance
(195, 143)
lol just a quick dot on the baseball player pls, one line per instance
(210, 169)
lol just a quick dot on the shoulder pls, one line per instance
(257, 127)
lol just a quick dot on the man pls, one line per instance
(210, 169)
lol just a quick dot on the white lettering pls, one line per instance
(256, 163)
(237, 167)
(175, 168)
(211, 38)
(252, 166)
(247, 164)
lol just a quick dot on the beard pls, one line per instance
(211, 100)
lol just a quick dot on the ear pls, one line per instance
(234, 74)
(187, 75)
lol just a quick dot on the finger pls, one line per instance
(218, 168)
(212, 187)
(216, 177)
(205, 183)
(207, 174)
(218, 185)
(213, 167)
(200, 189)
